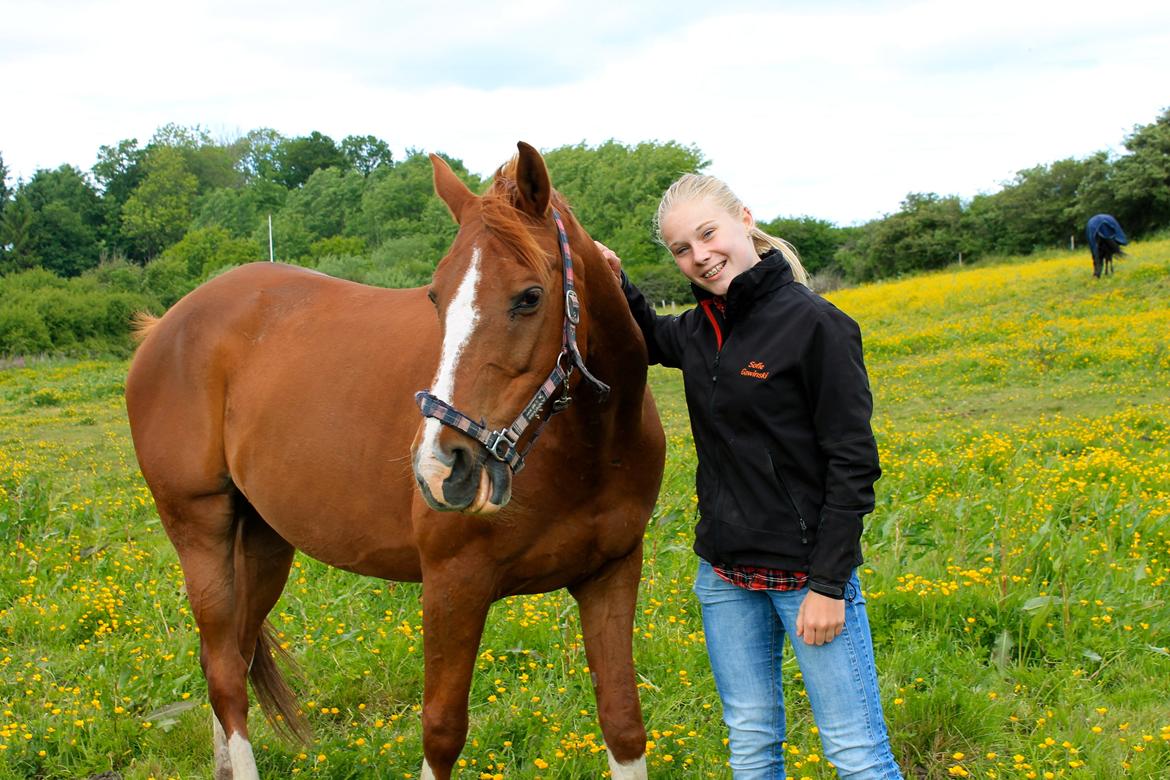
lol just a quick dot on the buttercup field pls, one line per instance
(1017, 571)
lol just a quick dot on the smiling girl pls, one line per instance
(780, 408)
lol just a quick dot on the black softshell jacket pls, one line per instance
(780, 411)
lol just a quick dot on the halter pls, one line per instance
(502, 443)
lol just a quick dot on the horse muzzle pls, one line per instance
(462, 480)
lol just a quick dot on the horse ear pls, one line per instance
(532, 181)
(450, 187)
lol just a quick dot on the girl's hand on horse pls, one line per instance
(615, 262)
(820, 619)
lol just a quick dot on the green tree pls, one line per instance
(663, 284)
(615, 189)
(204, 251)
(336, 246)
(926, 233)
(322, 208)
(1142, 177)
(67, 220)
(298, 158)
(118, 171)
(213, 165)
(365, 153)
(5, 193)
(327, 201)
(16, 249)
(159, 210)
(816, 240)
(1096, 193)
(258, 154)
(241, 211)
(1036, 210)
(400, 201)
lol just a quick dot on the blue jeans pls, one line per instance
(745, 637)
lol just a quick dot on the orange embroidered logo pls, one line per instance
(755, 369)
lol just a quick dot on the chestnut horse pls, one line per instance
(273, 409)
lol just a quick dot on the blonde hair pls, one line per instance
(694, 186)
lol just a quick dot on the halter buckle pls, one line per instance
(499, 445)
(573, 307)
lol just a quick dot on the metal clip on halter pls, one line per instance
(499, 445)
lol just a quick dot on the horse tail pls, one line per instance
(277, 699)
(141, 324)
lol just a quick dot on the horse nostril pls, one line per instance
(460, 459)
(462, 466)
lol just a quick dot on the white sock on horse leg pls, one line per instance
(223, 760)
(243, 762)
(634, 770)
(427, 774)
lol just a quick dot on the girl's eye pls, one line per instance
(708, 232)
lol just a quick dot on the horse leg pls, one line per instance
(607, 602)
(456, 597)
(203, 532)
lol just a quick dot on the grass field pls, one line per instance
(1016, 576)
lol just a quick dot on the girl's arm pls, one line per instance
(839, 395)
(665, 335)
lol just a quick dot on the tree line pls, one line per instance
(80, 250)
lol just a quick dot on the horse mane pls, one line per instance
(500, 210)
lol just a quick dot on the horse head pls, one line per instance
(508, 317)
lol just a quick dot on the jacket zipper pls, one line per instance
(718, 350)
(706, 305)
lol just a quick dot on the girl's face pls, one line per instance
(710, 246)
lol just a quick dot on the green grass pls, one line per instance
(1017, 571)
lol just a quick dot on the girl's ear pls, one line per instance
(748, 220)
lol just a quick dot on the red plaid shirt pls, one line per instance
(758, 578)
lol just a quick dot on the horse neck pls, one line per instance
(614, 349)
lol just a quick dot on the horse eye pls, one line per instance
(431, 296)
(529, 299)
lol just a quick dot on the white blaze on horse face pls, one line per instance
(457, 329)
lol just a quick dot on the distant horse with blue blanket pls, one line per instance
(1105, 241)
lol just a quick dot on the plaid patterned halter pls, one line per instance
(502, 444)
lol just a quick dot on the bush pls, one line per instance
(205, 250)
(23, 331)
(40, 312)
(167, 280)
(338, 246)
(117, 274)
(407, 261)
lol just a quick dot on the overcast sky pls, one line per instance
(831, 109)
